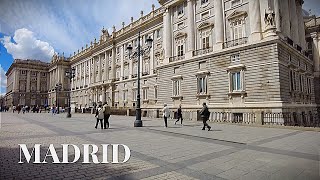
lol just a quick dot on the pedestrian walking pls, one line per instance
(179, 115)
(18, 108)
(204, 114)
(107, 113)
(166, 114)
(53, 109)
(13, 109)
(23, 109)
(99, 116)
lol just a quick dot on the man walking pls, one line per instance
(107, 113)
(166, 114)
(204, 113)
(179, 115)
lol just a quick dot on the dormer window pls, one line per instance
(180, 10)
(235, 2)
(204, 2)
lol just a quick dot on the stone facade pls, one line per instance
(27, 83)
(243, 57)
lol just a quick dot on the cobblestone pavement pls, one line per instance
(178, 152)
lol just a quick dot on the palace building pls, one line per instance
(244, 58)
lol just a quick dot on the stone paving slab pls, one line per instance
(177, 152)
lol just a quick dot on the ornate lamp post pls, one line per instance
(139, 52)
(58, 88)
(70, 73)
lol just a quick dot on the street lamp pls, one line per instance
(137, 54)
(70, 73)
(58, 89)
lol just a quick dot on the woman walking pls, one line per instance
(99, 116)
(179, 115)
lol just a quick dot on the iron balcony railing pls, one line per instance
(235, 42)
(202, 51)
(176, 58)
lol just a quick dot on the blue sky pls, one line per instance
(38, 28)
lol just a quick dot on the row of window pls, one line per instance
(235, 81)
(299, 82)
(33, 73)
(134, 94)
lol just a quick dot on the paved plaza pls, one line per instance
(177, 152)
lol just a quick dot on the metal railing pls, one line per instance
(202, 51)
(235, 42)
(176, 58)
(308, 119)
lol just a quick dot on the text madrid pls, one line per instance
(88, 150)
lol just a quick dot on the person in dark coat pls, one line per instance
(204, 114)
(179, 115)
(107, 112)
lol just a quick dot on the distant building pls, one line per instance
(27, 83)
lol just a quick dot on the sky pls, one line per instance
(36, 29)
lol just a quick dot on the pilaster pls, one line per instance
(190, 30)
(28, 81)
(218, 12)
(255, 21)
(38, 81)
(316, 51)
(294, 21)
(167, 41)
(302, 34)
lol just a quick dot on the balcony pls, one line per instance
(176, 58)
(236, 42)
(202, 51)
(145, 73)
(125, 77)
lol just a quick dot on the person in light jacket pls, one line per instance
(99, 116)
(166, 114)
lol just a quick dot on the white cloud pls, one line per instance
(27, 46)
(3, 80)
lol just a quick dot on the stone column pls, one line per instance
(294, 21)
(28, 81)
(103, 94)
(218, 12)
(89, 72)
(277, 14)
(94, 74)
(106, 67)
(99, 69)
(190, 30)
(38, 81)
(167, 41)
(285, 18)
(315, 52)
(302, 34)
(122, 62)
(255, 21)
(113, 64)
(16, 81)
(152, 56)
(130, 68)
(84, 73)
